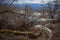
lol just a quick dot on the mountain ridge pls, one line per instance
(34, 6)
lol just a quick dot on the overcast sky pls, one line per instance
(32, 1)
(28, 1)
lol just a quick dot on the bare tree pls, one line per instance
(43, 7)
(53, 11)
(50, 9)
(13, 1)
(56, 6)
(1, 1)
(28, 10)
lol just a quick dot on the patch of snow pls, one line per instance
(38, 25)
(37, 14)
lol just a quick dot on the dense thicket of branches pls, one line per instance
(11, 20)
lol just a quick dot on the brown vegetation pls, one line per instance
(55, 27)
(11, 20)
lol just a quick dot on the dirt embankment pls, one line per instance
(56, 31)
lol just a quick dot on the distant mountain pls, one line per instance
(34, 6)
